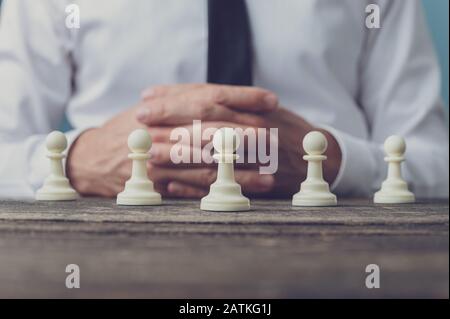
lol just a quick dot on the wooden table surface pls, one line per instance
(178, 251)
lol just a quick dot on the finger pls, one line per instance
(205, 131)
(180, 155)
(184, 134)
(162, 90)
(186, 156)
(243, 98)
(254, 182)
(161, 188)
(185, 108)
(250, 180)
(181, 190)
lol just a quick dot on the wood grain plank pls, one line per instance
(178, 251)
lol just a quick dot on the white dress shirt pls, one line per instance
(317, 55)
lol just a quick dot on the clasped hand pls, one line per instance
(98, 165)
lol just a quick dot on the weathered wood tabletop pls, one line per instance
(178, 251)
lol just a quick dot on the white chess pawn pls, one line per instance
(56, 186)
(394, 190)
(139, 188)
(314, 191)
(225, 194)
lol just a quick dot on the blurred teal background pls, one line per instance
(437, 12)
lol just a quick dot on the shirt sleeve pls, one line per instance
(400, 94)
(35, 85)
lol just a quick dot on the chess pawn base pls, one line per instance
(225, 198)
(139, 193)
(394, 192)
(56, 189)
(314, 194)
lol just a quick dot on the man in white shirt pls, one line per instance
(314, 65)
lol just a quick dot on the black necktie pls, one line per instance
(229, 45)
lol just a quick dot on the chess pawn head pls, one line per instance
(395, 146)
(226, 142)
(139, 141)
(56, 142)
(315, 143)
